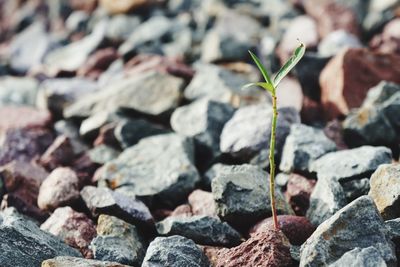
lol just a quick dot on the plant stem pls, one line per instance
(272, 160)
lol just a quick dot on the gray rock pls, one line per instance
(130, 132)
(91, 126)
(231, 38)
(77, 21)
(18, 91)
(303, 146)
(203, 230)
(71, 131)
(174, 251)
(336, 41)
(121, 26)
(118, 241)
(355, 188)
(203, 120)
(326, 199)
(393, 227)
(241, 194)
(106, 201)
(72, 56)
(79, 262)
(356, 225)
(385, 190)
(151, 93)
(351, 164)
(56, 94)
(158, 168)
(215, 170)
(215, 83)
(367, 257)
(24, 244)
(102, 154)
(248, 131)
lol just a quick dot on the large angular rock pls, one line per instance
(118, 241)
(216, 83)
(368, 257)
(303, 146)
(385, 190)
(174, 251)
(267, 248)
(344, 85)
(18, 91)
(242, 195)
(327, 198)
(203, 230)
(356, 225)
(351, 164)
(74, 228)
(102, 154)
(203, 120)
(151, 93)
(106, 201)
(65, 261)
(158, 169)
(24, 244)
(248, 131)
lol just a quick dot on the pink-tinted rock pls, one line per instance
(267, 248)
(347, 77)
(182, 210)
(309, 36)
(332, 16)
(23, 144)
(60, 153)
(143, 63)
(296, 228)
(85, 5)
(22, 181)
(211, 253)
(13, 117)
(334, 131)
(290, 94)
(74, 228)
(124, 6)
(389, 40)
(298, 193)
(311, 110)
(202, 203)
(98, 62)
(59, 189)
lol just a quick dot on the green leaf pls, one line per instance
(261, 68)
(288, 66)
(265, 86)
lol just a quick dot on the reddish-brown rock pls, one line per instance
(389, 40)
(202, 203)
(98, 62)
(267, 248)
(296, 228)
(298, 193)
(182, 210)
(74, 228)
(124, 6)
(60, 153)
(347, 77)
(23, 118)
(59, 189)
(85, 169)
(332, 16)
(311, 110)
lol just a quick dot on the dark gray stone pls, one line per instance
(79, 262)
(326, 199)
(203, 120)
(24, 244)
(118, 241)
(130, 132)
(102, 154)
(151, 93)
(356, 225)
(367, 257)
(303, 146)
(355, 188)
(158, 169)
(385, 190)
(203, 230)
(18, 91)
(393, 227)
(241, 194)
(351, 164)
(248, 131)
(105, 201)
(174, 251)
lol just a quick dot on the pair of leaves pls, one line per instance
(270, 85)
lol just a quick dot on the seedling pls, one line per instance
(270, 86)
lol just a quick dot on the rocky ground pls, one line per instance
(126, 139)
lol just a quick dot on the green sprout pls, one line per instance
(270, 86)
